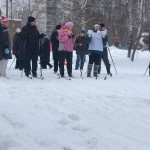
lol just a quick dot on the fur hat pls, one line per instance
(69, 25)
(31, 19)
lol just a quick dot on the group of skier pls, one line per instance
(28, 44)
(94, 44)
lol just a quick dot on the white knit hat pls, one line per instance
(96, 25)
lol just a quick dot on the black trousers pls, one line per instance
(56, 60)
(95, 58)
(27, 63)
(68, 56)
(105, 60)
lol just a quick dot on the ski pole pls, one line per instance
(41, 70)
(112, 60)
(12, 63)
(22, 73)
(147, 69)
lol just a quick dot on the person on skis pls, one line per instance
(66, 44)
(81, 50)
(95, 49)
(31, 35)
(5, 50)
(55, 46)
(104, 53)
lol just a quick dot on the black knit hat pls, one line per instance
(82, 31)
(58, 27)
(31, 19)
(102, 25)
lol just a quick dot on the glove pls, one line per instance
(42, 35)
(6, 50)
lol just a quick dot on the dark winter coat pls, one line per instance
(16, 43)
(105, 41)
(4, 42)
(44, 52)
(31, 36)
(55, 41)
(81, 49)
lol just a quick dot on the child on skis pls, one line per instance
(44, 52)
(81, 50)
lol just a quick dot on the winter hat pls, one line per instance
(18, 30)
(4, 19)
(58, 27)
(82, 31)
(102, 25)
(145, 34)
(31, 19)
(96, 25)
(69, 25)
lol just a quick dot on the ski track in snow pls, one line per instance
(81, 114)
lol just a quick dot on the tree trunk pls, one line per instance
(83, 18)
(129, 6)
(139, 30)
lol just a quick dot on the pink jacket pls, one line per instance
(68, 42)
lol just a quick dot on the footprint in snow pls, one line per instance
(74, 117)
(66, 148)
(92, 143)
(80, 129)
(64, 122)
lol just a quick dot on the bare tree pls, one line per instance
(24, 8)
(139, 29)
(129, 5)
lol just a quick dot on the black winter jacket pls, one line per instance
(81, 45)
(55, 41)
(4, 42)
(44, 52)
(31, 36)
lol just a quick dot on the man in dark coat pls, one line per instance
(55, 46)
(31, 35)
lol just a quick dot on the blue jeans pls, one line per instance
(80, 61)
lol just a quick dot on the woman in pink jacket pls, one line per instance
(66, 45)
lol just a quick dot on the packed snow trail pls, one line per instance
(81, 114)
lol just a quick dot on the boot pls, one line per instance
(99, 70)
(89, 69)
(108, 70)
(50, 66)
(95, 72)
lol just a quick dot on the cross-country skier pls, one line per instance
(95, 48)
(5, 51)
(66, 44)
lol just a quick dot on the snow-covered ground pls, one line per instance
(81, 114)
